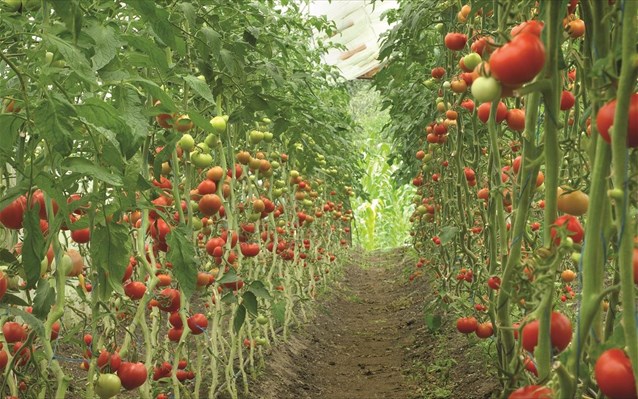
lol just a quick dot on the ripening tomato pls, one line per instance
(574, 228)
(516, 119)
(210, 204)
(615, 376)
(635, 261)
(575, 27)
(132, 375)
(605, 119)
(12, 215)
(574, 202)
(484, 330)
(532, 392)
(455, 41)
(560, 328)
(518, 61)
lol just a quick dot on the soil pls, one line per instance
(368, 340)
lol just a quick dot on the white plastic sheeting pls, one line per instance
(360, 27)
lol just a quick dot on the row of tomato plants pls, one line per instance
(530, 106)
(159, 231)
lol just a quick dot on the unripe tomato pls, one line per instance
(107, 385)
(486, 89)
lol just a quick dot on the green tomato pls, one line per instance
(268, 137)
(201, 160)
(486, 89)
(255, 136)
(65, 265)
(472, 60)
(261, 341)
(266, 121)
(253, 217)
(219, 124)
(439, 27)
(203, 147)
(13, 5)
(197, 223)
(48, 58)
(274, 165)
(430, 84)
(108, 385)
(261, 319)
(277, 192)
(211, 140)
(187, 142)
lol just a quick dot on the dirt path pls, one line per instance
(367, 341)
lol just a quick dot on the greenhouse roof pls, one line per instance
(360, 25)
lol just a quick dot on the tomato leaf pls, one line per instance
(86, 167)
(110, 248)
(240, 317)
(259, 289)
(181, 254)
(33, 246)
(53, 124)
(249, 300)
(106, 44)
(200, 88)
(44, 298)
(158, 19)
(228, 277)
(201, 122)
(229, 298)
(7, 257)
(74, 58)
(9, 127)
(10, 299)
(146, 46)
(433, 322)
(448, 233)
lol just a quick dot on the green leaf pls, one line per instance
(33, 246)
(249, 300)
(229, 277)
(149, 48)
(110, 251)
(9, 127)
(86, 167)
(181, 254)
(157, 92)
(448, 233)
(7, 258)
(229, 298)
(240, 317)
(200, 121)
(10, 299)
(158, 19)
(44, 298)
(52, 122)
(106, 45)
(200, 88)
(74, 58)
(433, 322)
(70, 12)
(101, 113)
(259, 289)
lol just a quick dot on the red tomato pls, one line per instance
(605, 119)
(614, 375)
(4, 359)
(135, 290)
(482, 45)
(533, 27)
(483, 112)
(4, 282)
(455, 41)
(249, 250)
(635, 261)
(560, 329)
(198, 323)
(22, 353)
(174, 334)
(12, 216)
(207, 187)
(518, 61)
(38, 197)
(494, 282)
(438, 72)
(467, 325)
(574, 228)
(133, 375)
(567, 100)
(81, 236)
(13, 332)
(169, 300)
(532, 392)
